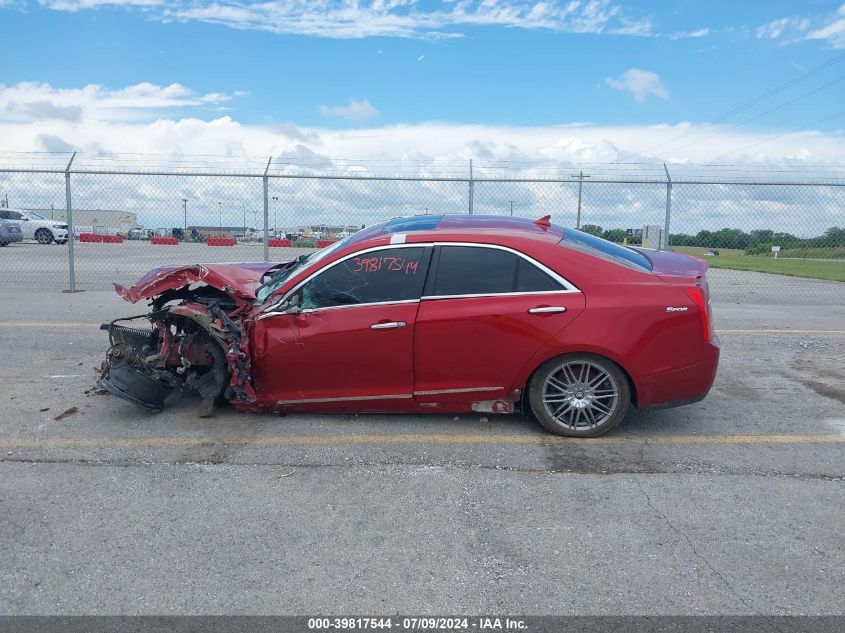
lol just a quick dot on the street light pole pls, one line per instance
(275, 219)
(185, 209)
(220, 225)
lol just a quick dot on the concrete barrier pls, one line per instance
(90, 237)
(221, 241)
(324, 243)
(112, 239)
(279, 243)
(169, 241)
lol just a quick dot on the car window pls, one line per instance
(10, 215)
(464, 270)
(529, 278)
(37, 216)
(393, 274)
(469, 270)
(605, 249)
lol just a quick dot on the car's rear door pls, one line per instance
(485, 312)
(351, 338)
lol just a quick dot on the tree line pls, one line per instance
(753, 242)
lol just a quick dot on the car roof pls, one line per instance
(454, 227)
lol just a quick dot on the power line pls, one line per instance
(777, 136)
(757, 116)
(753, 102)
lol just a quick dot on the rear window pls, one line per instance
(607, 250)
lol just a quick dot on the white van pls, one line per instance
(36, 227)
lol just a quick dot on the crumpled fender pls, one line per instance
(238, 280)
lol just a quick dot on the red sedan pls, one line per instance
(447, 313)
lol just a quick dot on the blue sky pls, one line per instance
(371, 65)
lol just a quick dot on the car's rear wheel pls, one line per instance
(579, 395)
(2, 244)
(44, 236)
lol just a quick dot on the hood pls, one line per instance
(238, 280)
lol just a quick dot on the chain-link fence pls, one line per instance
(126, 222)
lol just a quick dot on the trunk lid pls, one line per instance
(668, 264)
(236, 279)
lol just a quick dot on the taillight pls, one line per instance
(700, 295)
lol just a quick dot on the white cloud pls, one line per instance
(386, 18)
(28, 101)
(829, 28)
(111, 124)
(680, 35)
(78, 5)
(640, 83)
(355, 110)
(429, 148)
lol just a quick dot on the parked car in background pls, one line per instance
(36, 227)
(446, 313)
(137, 234)
(9, 232)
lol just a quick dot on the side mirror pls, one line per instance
(292, 305)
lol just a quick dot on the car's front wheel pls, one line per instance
(44, 236)
(579, 395)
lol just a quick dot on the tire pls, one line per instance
(579, 395)
(44, 236)
(61, 241)
(2, 244)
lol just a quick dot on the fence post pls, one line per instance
(267, 212)
(665, 242)
(471, 187)
(69, 217)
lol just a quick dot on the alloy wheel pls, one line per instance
(580, 395)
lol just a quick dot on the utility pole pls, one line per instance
(471, 187)
(220, 226)
(275, 218)
(511, 201)
(185, 210)
(580, 177)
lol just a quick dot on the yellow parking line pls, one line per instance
(443, 438)
(36, 325)
(777, 331)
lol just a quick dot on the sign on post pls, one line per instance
(776, 250)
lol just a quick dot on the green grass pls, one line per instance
(815, 253)
(833, 271)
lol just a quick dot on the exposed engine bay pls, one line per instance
(194, 342)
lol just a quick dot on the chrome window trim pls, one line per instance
(341, 260)
(351, 305)
(500, 294)
(569, 288)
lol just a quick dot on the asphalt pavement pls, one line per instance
(733, 505)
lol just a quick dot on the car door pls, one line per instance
(349, 335)
(485, 312)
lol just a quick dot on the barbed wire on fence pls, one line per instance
(274, 208)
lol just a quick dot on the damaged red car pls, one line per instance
(444, 314)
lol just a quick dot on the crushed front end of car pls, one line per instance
(193, 339)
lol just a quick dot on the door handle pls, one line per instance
(547, 310)
(392, 325)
